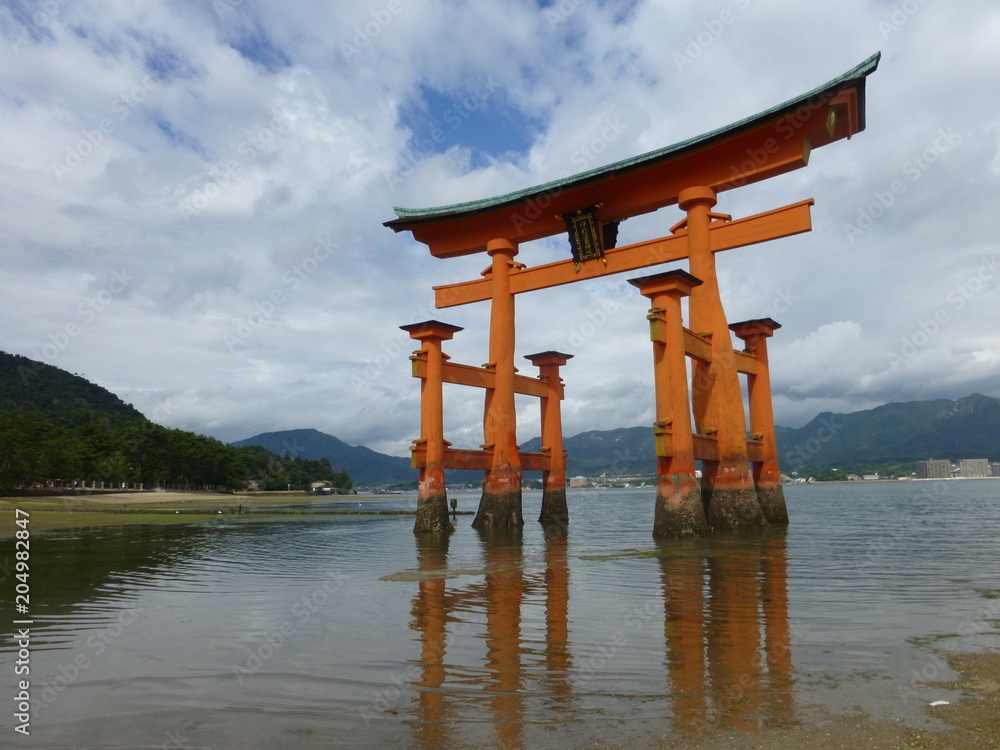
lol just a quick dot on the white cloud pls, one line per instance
(277, 138)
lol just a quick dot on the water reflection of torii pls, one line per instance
(724, 673)
(726, 635)
(499, 596)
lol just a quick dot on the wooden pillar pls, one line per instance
(727, 485)
(500, 505)
(679, 509)
(766, 473)
(432, 501)
(554, 511)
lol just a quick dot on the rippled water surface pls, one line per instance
(347, 631)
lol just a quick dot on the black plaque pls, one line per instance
(584, 235)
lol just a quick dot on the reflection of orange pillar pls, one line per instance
(684, 631)
(430, 618)
(766, 474)
(726, 485)
(504, 591)
(777, 632)
(558, 660)
(734, 659)
(554, 510)
(500, 505)
(432, 501)
(679, 510)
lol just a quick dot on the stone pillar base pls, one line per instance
(555, 512)
(500, 505)
(679, 510)
(499, 510)
(772, 502)
(432, 513)
(732, 509)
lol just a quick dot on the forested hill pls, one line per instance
(365, 466)
(896, 433)
(30, 386)
(56, 427)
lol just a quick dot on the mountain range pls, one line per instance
(365, 466)
(896, 433)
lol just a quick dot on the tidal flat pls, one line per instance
(326, 623)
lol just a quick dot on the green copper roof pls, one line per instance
(855, 75)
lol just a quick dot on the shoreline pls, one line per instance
(56, 512)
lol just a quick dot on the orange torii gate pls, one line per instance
(740, 485)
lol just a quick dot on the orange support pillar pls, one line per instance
(554, 512)
(679, 510)
(500, 505)
(766, 473)
(432, 501)
(727, 485)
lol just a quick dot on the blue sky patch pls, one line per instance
(179, 137)
(480, 117)
(256, 46)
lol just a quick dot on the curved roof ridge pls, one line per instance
(856, 74)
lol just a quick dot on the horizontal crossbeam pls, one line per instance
(706, 447)
(780, 222)
(481, 460)
(480, 377)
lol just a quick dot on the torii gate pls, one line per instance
(589, 206)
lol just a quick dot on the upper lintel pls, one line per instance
(767, 144)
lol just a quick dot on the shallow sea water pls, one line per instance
(348, 631)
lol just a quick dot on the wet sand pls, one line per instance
(165, 507)
(970, 723)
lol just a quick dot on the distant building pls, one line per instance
(578, 482)
(995, 470)
(973, 468)
(934, 469)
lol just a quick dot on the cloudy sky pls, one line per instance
(193, 194)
